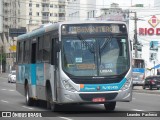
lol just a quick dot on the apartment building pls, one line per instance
(28, 14)
(76, 10)
(9, 18)
(39, 12)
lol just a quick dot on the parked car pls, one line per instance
(12, 77)
(152, 82)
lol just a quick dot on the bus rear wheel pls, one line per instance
(110, 106)
(29, 101)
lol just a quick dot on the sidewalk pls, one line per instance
(4, 75)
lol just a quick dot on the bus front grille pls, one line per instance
(89, 97)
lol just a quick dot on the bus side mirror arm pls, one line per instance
(131, 44)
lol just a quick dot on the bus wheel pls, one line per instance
(50, 104)
(110, 106)
(29, 101)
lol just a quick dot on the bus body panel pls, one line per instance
(43, 74)
(70, 97)
(27, 73)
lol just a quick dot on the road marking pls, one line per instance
(11, 90)
(137, 110)
(149, 94)
(3, 89)
(65, 118)
(4, 101)
(27, 107)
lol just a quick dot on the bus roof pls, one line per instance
(55, 26)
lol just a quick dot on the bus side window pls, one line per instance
(40, 49)
(46, 47)
(54, 49)
(33, 57)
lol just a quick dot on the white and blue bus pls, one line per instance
(81, 62)
(138, 71)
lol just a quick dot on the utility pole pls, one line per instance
(135, 35)
(1, 57)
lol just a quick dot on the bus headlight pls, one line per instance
(68, 86)
(127, 84)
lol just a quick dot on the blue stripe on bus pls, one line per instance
(103, 87)
(33, 74)
(139, 70)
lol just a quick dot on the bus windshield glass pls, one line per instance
(96, 52)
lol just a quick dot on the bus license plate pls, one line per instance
(98, 100)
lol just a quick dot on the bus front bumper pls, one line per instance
(65, 96)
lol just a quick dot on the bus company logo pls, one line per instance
(153, 21)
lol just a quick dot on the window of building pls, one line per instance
(55, 6)
(37, 5)
(55, 14)
(51, 5)
(30, 4)
(37, 13)
(51, 14)
(30, 13)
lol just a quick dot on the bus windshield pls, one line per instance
(95, 54)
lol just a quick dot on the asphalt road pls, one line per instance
(11, 100)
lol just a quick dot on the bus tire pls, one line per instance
(50, 104)
(110, 106)
(29, 101)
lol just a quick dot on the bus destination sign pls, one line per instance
(74, 29)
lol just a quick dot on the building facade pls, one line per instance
(39, 12)
(76, 10)
(28, 14)
(10, 18)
